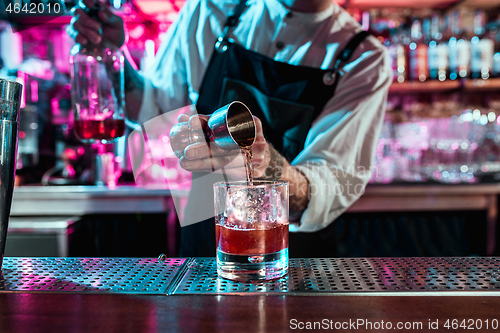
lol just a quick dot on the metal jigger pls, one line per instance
(229, 127)
(10, 101)
(232, 126)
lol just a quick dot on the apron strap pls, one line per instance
(233, 19)
(346, 54)
(332, 76)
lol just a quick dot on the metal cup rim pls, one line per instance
(257, 183)
(251, 115)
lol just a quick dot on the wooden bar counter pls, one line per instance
(28, 312)
(185, 295)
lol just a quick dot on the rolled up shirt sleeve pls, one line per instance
(340, 147)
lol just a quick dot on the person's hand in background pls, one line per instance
(84, 29)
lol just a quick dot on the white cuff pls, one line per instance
(331, 192)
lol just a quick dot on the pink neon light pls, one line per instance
(21, 78)
(34, 91)
(365, 21)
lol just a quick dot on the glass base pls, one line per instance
(244, 268)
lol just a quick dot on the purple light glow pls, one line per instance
(34, 91)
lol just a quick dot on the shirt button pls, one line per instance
(289, 15)
(280, 45)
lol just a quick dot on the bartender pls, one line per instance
(315, 81)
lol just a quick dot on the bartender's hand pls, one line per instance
(200, 157)
(84, 29)
(268, 163)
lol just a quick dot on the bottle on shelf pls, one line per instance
(459, 48)
(426, 30)
(482, 49)
(400, 39)
(438, 52)
(495, 34)
(419, 70)
(396, 54)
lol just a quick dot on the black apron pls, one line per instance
(286, 98)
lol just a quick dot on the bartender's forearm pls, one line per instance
(298, 185)
(134, 88)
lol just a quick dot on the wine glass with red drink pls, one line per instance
(98, 93)
(98, 96)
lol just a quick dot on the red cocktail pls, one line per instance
(251, 229)
(107, 130)
(269, 239)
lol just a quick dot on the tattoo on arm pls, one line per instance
(276, 162)
(299, 200)
(298, 182)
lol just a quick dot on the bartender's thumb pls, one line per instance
(196, 121)
(106, 16)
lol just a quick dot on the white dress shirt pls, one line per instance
(340, 145)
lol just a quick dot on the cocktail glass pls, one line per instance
(251, 227)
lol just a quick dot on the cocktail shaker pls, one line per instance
(10, 101)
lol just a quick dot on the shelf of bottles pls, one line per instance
(443, 114)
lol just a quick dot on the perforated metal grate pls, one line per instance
(107, 275)
(354, 275)
(199, 276)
